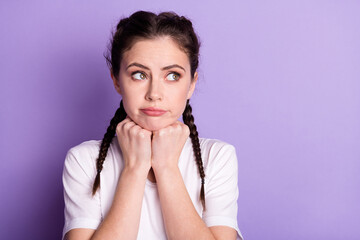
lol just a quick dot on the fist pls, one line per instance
(135, 144)
(167, 144)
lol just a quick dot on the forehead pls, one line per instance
(160, 51)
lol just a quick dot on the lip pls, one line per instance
(153, 112)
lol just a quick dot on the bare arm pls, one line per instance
(122, 221)
(180, 216)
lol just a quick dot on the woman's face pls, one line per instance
(155, 82)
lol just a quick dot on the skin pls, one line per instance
(152, 146)
(156, 87)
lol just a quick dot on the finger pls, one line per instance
(125, 121)
(147, 132)
(120, 124)
(179, 122)
(128, 125)
(186, 130)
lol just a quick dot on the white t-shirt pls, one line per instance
(82, 210)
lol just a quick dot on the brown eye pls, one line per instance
(173, 77)
(139, 76)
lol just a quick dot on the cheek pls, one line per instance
(180, 92)
(129, 95)
(129, 105)
(128, 101)
(179, 99)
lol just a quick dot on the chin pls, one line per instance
(154, 124)
(153, 127)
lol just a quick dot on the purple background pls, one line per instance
(279, 79)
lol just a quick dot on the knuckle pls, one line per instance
(127, 125)
(134, 130)
(186, 130)
(162, 132)
(118, 128)
(141, 135)
(176, 128)
(144, 134)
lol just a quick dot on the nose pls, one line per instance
(154, 92)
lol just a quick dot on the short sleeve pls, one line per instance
(221, 187)
(82, 210)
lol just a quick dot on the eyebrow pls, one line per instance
(164, 68)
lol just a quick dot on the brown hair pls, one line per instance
(147, 25)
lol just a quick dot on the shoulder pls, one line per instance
(217, 152)
(86, 146)
(83, 157)
(211, 147)
(214, 143)
(85, 149)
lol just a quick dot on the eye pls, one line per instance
(173, 76)
(139, 76)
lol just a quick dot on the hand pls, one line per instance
(167, 144)
(135, 144)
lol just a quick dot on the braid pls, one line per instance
(120, 115)
(188, 119)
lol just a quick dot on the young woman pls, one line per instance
(152, 177)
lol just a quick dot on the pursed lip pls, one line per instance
(152, 111)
